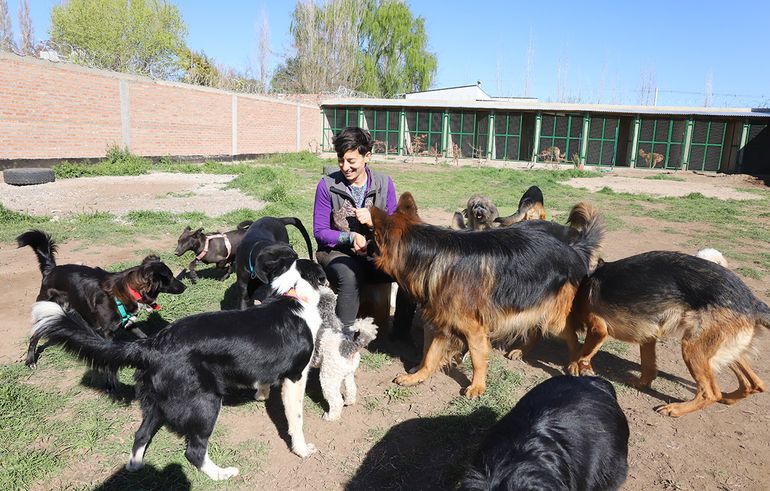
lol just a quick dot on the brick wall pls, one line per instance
(51, 111)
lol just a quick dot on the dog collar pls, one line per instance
(292, 292)
(138, 298)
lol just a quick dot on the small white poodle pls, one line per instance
(337, 354)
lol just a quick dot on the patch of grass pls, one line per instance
(25, 447)
(372, 404)
(374, 435)
(616, 347)
(500, 394)
(664, 177)
(748, 272)
(187, 194)
(397, 393)
(375, 361)
(313, 407)
(118, 162)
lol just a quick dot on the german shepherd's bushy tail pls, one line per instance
(585, 218)
(297, 223)
(68, 330)
(44, 247)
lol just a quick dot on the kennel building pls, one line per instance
(694, 138)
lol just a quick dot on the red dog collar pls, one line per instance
(138, 298)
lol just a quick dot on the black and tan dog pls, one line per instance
(211, 248)
(106, 301)
(261, 254)
(530, 208)
(567, 433)
(642, 298)
(476, 286)
(480, 214)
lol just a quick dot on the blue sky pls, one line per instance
(592, 51)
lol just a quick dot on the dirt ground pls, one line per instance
(389, 444)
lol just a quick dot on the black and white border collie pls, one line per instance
(184, 371)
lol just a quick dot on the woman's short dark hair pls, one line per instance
(352, 138)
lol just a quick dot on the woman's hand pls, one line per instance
(359, 244)
(364, 217)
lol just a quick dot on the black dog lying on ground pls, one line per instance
(262, 252)
(183, 372)
(106, 301)
(211, 248)
(566, 433)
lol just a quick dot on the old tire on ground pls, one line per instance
(27, 176)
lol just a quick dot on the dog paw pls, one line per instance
(134, 465)
(672, 410)
(474, 391)
(640, 384)
(223, 474)
(573, 369)
(408, 379)
(331, 416)
(350, 402)
(32, 365)
(515, 354)
(305, 451)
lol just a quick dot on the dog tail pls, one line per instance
(585, 218)
(71, 332)
(298, 223)
(364, 331)
(532, 198)
(44, 247)
(245, 224)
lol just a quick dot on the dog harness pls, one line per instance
(126, 319)
(228, 246)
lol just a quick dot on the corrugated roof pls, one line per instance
(556, 107)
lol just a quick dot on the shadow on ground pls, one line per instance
(147, 479)
(423, 453)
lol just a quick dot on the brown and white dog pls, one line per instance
(211, 248)
(480, 286)
(643, 298)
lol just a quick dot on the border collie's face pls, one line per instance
(305, 276)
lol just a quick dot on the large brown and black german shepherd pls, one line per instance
(483, 286)
(643, 298)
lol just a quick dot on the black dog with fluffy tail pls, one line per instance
(566, 433)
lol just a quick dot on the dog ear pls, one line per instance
(458, 223)
(407, 205)
(187, 228)
(149, 259)
(272, 261)
(199, 231)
